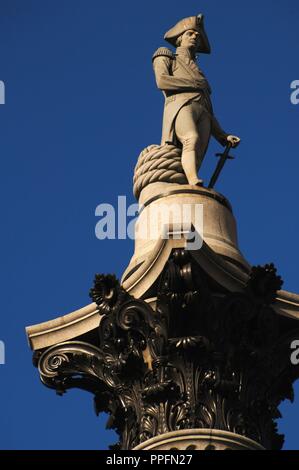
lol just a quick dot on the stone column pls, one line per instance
(192, 350)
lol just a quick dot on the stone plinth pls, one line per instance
(163, 205)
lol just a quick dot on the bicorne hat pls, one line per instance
(193, 22)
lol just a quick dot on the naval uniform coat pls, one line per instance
(181, 81)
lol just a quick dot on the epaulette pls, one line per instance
(163, 51)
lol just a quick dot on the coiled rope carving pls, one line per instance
(156, 164)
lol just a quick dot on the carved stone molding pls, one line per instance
(199, 439)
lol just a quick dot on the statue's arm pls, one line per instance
(218, 132)
(167, 82)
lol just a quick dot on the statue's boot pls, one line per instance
(189, 167)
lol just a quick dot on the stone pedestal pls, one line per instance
(164, 205)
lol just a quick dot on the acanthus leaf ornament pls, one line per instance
(154, 372)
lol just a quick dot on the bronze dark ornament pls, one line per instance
(205, 358)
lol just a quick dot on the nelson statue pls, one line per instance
(188, 120)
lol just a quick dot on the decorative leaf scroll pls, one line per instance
(206, 358)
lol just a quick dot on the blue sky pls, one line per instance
(81, 103)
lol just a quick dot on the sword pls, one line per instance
(223, 157)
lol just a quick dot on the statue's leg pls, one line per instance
(188, 128)
(204, 131)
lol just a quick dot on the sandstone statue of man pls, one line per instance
(188, 119)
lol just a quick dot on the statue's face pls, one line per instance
(190, 39)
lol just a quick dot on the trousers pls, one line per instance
(193, 130)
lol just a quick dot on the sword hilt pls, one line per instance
(229, 157)
(223, 157)
(226, 152)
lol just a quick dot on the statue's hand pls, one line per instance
(234, 140)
